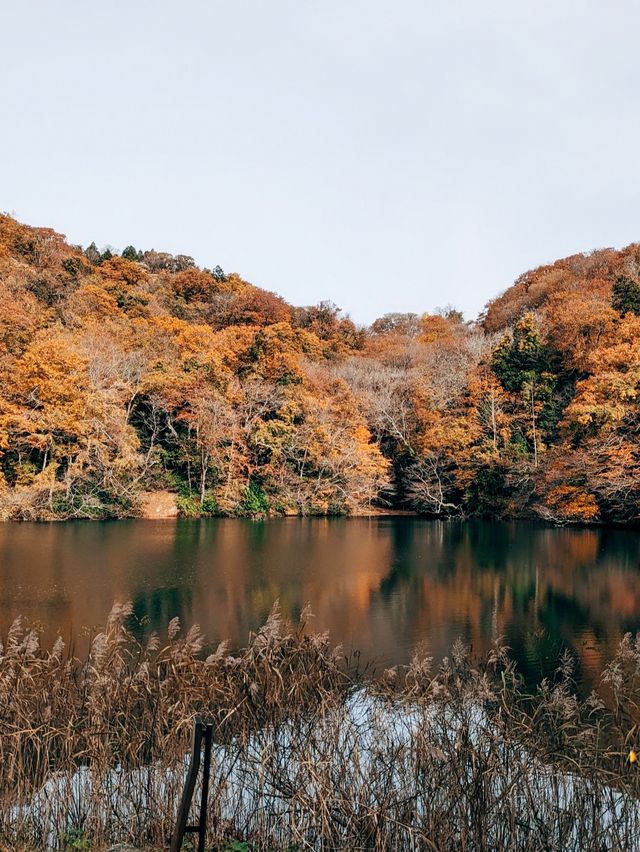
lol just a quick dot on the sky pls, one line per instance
(386, 156)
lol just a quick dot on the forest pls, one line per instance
(125, 377)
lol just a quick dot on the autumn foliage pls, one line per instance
(124, 375)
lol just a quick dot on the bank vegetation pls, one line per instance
(311, 749)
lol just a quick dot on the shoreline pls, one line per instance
(359, 514)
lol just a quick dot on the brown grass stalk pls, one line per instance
(311, 751)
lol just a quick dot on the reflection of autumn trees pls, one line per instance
(531, 585)
(123, 375)
(380, 585)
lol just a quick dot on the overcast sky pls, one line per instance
(389, 156)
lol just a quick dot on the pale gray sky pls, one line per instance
(390, 156)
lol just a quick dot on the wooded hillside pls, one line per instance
(125, 375)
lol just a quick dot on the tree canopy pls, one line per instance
(128, 373)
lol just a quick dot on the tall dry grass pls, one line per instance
(311, 751)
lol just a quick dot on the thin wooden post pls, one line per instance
(206, 771)
(201, 730)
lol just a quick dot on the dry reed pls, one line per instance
(312, 752)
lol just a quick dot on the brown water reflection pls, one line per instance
(381, 585)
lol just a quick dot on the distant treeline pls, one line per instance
(125, 374)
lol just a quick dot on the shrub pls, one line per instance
(190, 505)
(254, 501)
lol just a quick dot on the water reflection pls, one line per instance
(381, 585)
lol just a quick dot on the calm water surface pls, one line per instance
(381, 585)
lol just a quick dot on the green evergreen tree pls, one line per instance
(527, 368)
(522, 358)
(625, 296)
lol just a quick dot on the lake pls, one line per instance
(381, 585)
